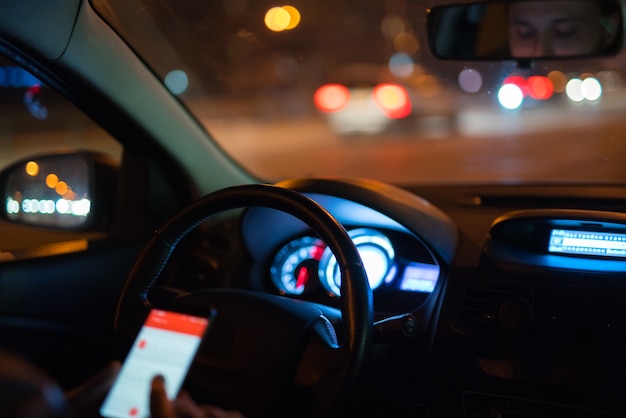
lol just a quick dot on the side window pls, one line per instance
(36, 121)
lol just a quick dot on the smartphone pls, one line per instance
(166, 344)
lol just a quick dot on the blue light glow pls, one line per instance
(13, 76)
(176, 81)
(419, 277)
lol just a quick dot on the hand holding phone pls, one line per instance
(166, 345)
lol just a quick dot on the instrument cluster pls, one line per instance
(393, 261)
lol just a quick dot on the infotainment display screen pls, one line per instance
(587, 243)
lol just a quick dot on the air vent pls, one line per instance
(502, 307)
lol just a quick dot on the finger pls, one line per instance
(160, 406)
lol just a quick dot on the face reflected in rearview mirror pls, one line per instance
(561, 28)
(526, 29)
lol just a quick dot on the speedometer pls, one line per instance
(295, 265)
(376, 252)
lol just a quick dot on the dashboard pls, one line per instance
(518, 292)
(521, 297)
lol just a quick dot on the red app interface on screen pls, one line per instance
(166, 345)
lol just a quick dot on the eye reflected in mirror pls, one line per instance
(55, 191)
(562, 28)
(526, 29)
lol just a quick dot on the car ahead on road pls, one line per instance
(370, 99)
(481, 274)
(362, 99)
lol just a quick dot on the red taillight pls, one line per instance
(393, 100)
(331, 97)
(540, 88)
(537, 87)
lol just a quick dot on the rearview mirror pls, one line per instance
(65, 191)
(526, 29)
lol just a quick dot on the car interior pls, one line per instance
(334, 293)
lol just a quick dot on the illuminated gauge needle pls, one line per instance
(318, 251)
(296, 264)
(303, 277)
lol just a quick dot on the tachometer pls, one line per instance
(296, 264)
(375, 250)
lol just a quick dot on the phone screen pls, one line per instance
(166, 344)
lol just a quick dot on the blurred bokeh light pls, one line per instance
(278, 19)
(510, 96)
(470, 80)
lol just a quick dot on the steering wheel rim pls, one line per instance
(356, 301)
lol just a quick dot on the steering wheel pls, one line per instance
(265, 354)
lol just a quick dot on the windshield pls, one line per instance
(350, 88)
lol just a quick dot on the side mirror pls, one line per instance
(66, 191)
(526, 29)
